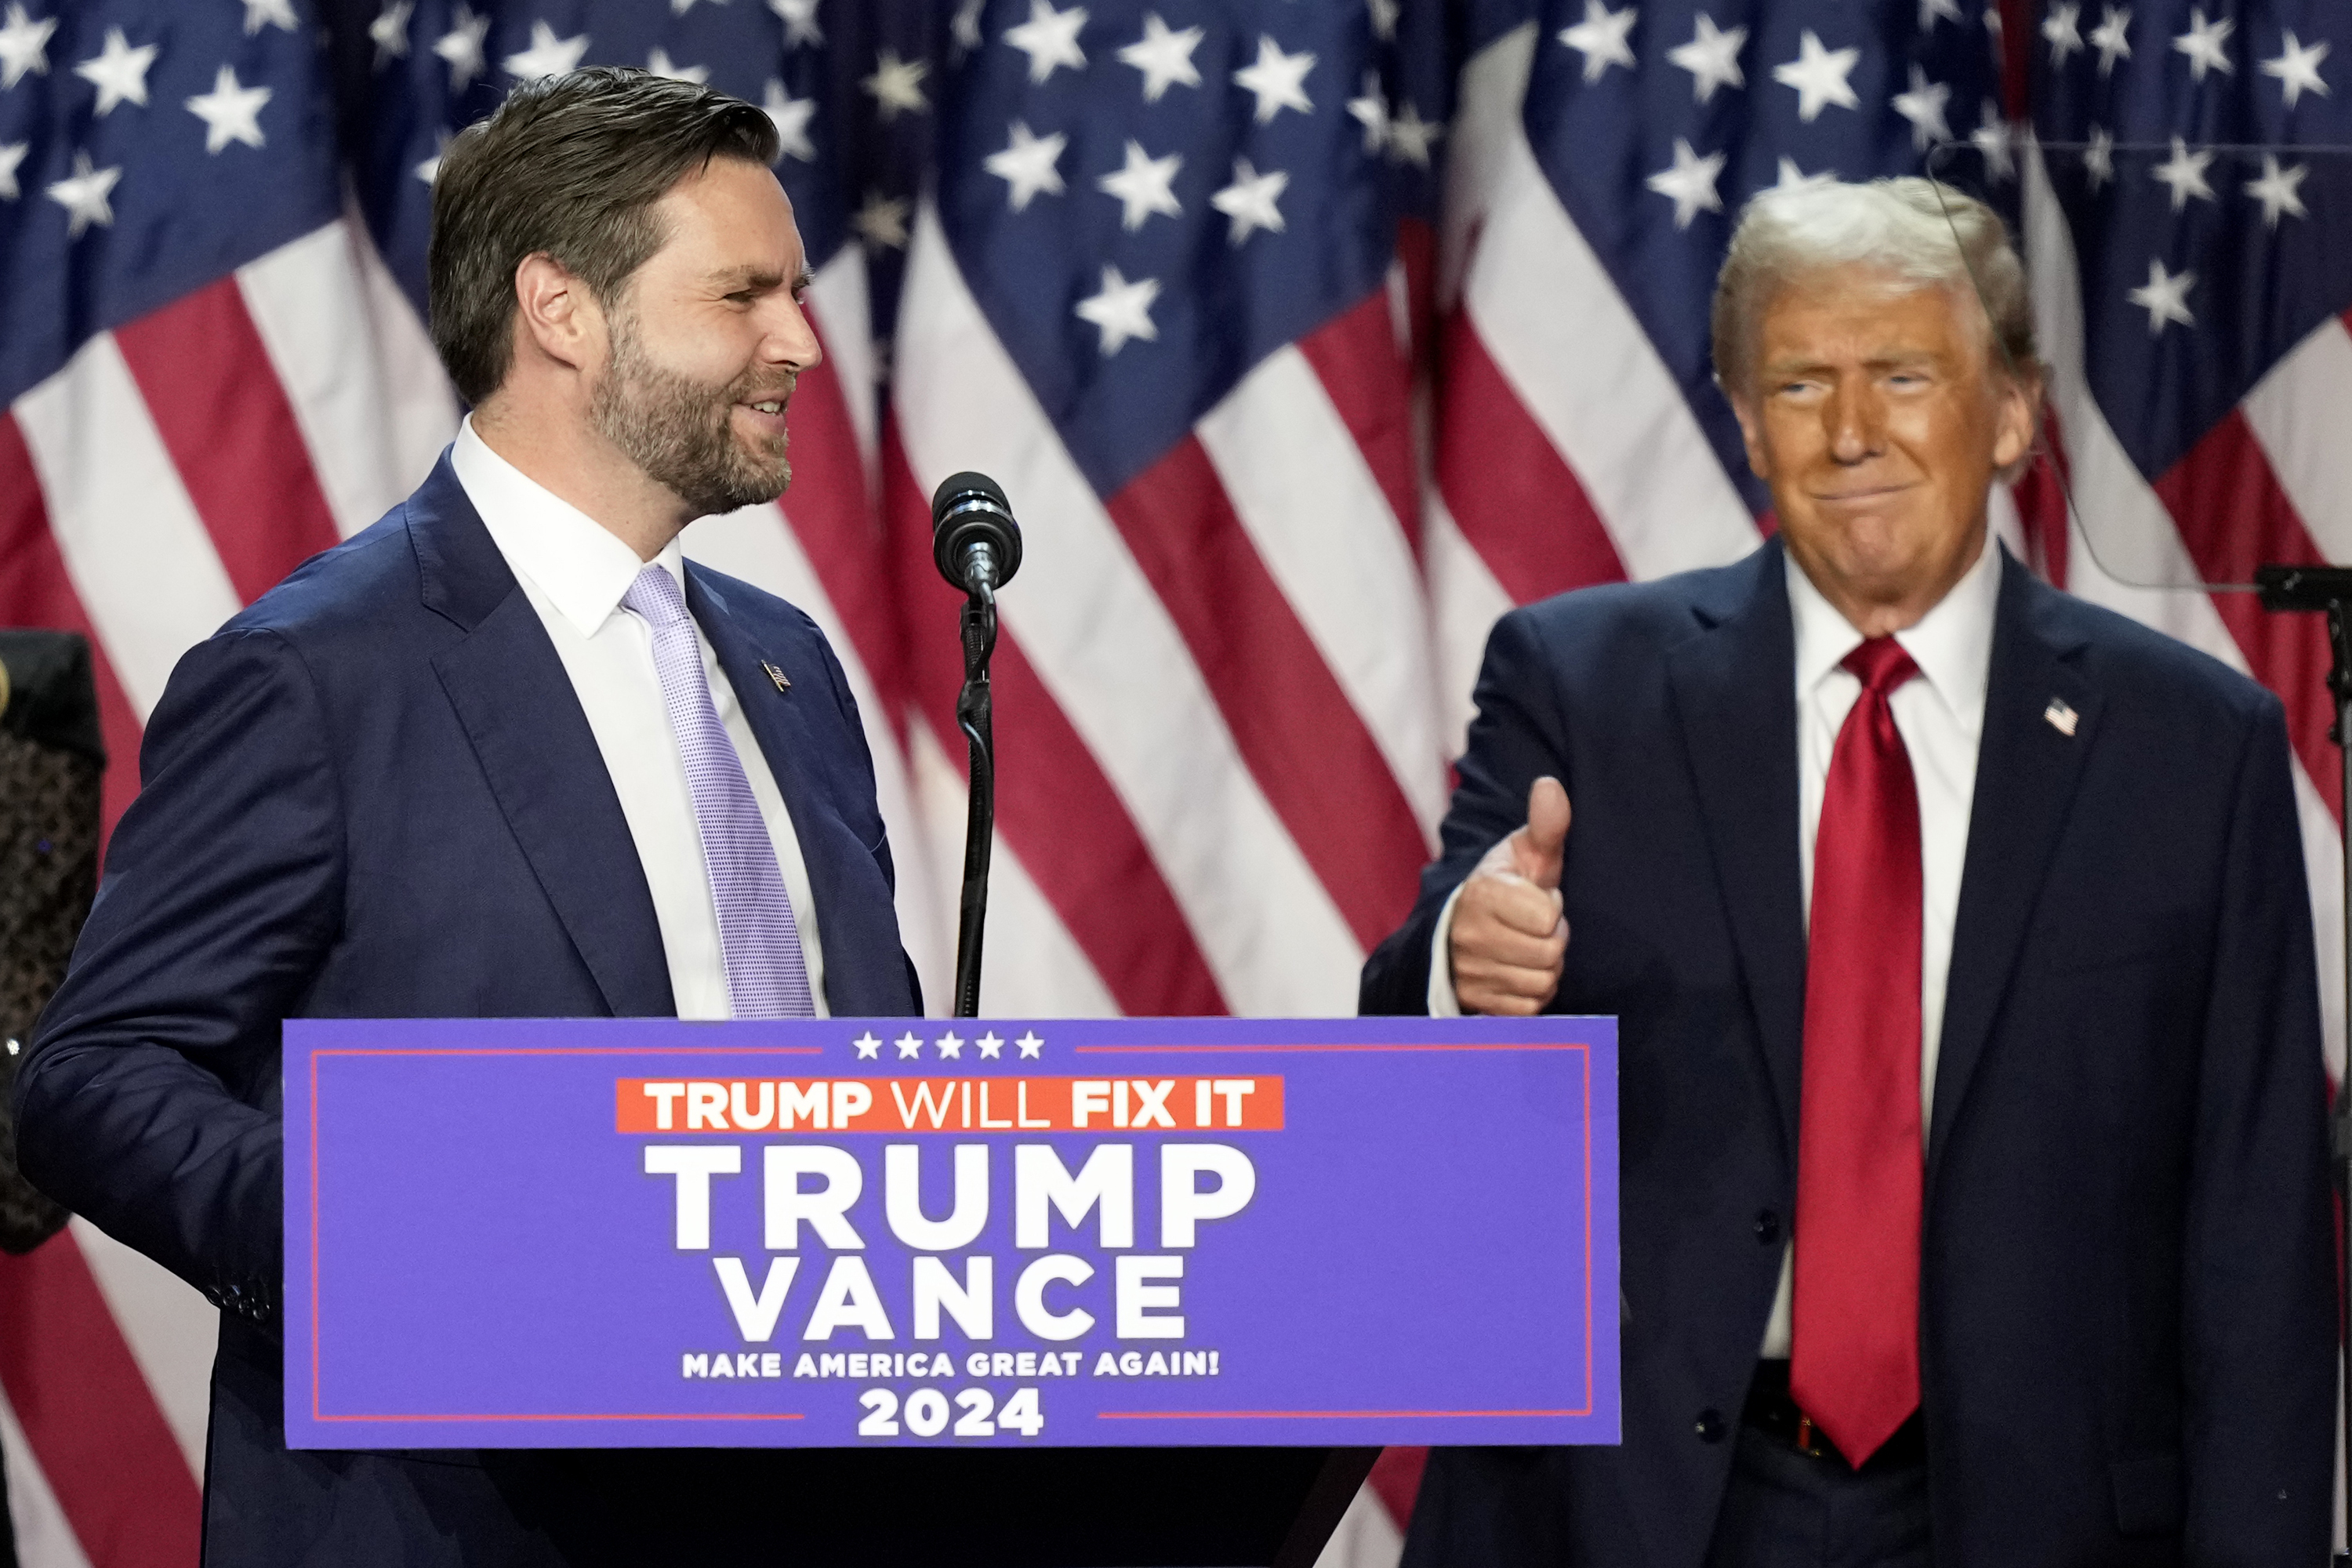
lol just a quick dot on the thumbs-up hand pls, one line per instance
(1509, 937)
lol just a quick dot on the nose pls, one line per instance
(790, 338)
(1855, 416)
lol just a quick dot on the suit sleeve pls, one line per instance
(149, 1101)
(1516, 738)
(2259, 1328)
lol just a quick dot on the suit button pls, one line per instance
(1710, 1426)
(1767, 1226)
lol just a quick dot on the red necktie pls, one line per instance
(1855, 1325)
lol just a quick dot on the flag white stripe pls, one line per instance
(171, 1332)
(839, 307)
(44, 1538)
(1494, 83)
(1366, 1536)
(1107, 651)
(1324, 529)
(2297, 414)
(1465, 601)
(138, 553)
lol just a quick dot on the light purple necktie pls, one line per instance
(766, 976)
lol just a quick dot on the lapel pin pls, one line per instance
(2061, 718)
(784, 683)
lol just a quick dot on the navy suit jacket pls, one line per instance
(2127, 1319)
(374, 794)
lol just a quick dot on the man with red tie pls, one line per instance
(1975, 1202)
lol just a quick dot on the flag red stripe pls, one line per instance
(102, 1443)
(35, 590)
(1054, 806)
(835, 525)
(2233, 517)
(1354, 356)
(1396, 1480)
(223, 417)
(1306, 744)
(1510, 492)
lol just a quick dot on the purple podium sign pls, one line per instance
(611, 1233)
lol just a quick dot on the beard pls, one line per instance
(681, 432)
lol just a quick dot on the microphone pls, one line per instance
(974, 541)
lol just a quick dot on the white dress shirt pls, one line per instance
(574, 572)
(1941, 714)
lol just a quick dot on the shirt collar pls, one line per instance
(1952, 643)
(581, 566)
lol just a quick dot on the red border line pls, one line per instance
(1311, 1415)
(641, 1415)
(1290, 1050)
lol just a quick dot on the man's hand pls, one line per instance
(1508, 934)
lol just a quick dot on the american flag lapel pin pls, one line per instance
(2061, 718)
(784, 682)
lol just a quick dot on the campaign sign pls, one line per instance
(856, 1232)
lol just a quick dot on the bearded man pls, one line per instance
(504, 753)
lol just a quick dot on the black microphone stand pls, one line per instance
(973, 717)
(2328, 590)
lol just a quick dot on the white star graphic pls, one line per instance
(2165, 298)
(881, 222)
(1690, 183)
(1371, 111)
(1993, 138)
(2111, 37)
(1142, 187)
(430, 169)
(1050, 38)
(1601, 39)
(951, 1046)
(2203, 44)
(24, 45)
(660, 64)
(1795, 179)
(461, 46)
(1164, 57)
(11, 155)
(548, 54)
(792, 115)
(1384, 18)
(1410, 136)
(896, 85)
(2277, 190)
(1933, 11)
(389, 31)
(83, 195)
(2065, 34)
(868, 1047)
(2099, 158)
(963, 28)
(118, 71)
(1819, 75)
(1277, 80)
(909, 1045)
(990, 1048)
(1923, 106)
(2297, 68)
(1249, 200)
(1712, 57)
(230, 112)
(1027, 165)
(799, 18)
(261, 14)
(1030, 1044)
(2185, 173)
(1123, 311)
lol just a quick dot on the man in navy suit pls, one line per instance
(1974, 1205)
(504, 753)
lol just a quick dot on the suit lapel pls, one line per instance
(515, 701)
(2027, 770)
(857, 925)
(1736, 701)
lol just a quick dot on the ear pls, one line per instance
(2017, 414)
(555, 314)
(1751, 430)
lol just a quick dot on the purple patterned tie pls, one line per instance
(766, 976)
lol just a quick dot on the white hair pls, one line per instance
(1919, 233)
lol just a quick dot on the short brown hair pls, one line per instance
(569, 166)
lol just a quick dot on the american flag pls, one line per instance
(1306, 336)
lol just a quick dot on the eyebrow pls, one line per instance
(734, 277)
